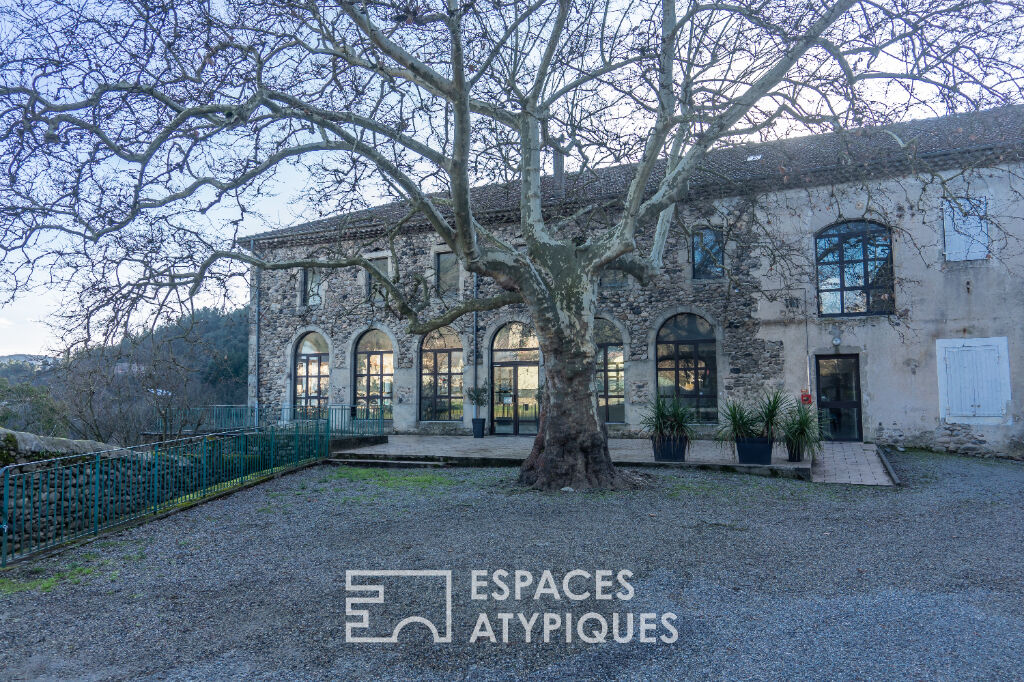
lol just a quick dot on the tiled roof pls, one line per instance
(971, 139)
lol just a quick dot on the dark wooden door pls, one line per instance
(839, 396)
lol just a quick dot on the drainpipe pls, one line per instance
(255, 302)
(476, 343)
(807, 341)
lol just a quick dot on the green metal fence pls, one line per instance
(358, 420)
(47, 503)
(205, 419)
(343, 420)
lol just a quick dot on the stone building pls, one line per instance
(877, 272)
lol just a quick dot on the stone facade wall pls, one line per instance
(764, 313)
(747, 363)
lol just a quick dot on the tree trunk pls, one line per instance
(571, 447)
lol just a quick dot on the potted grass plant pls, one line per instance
(741, 426)
(802, 432)
(772, 408)
(478, 398)
(754, 429)
(670, 424)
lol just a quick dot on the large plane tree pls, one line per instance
(137, 135)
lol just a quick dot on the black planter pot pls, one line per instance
(669, 449)
(478, 427)
(754, 450)
(796, 452)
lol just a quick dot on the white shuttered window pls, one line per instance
(965, 223)
(974, 379)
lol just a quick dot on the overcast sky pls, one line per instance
(23, 324)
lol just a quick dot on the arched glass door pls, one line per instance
(374, 375)
(688, 364)
(312, 377)
(515, 378)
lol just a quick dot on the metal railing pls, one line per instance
(358, 420)
(343, 420)
(47, 503)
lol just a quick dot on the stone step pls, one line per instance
(387, 463)
(459, 460)
(346, 453)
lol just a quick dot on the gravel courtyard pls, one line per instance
(769, 578)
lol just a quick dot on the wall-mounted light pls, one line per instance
(836, 340)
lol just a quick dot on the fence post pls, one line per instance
(202, 460)
(380, 419)
(96, 495)
(295, 453)
(156, 476)
(3, 521)
(327, 436)
(273, 446)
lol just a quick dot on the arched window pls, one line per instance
(611, 371)
(855, 274)
(375, 371)
(312, 376)
(515, 378)
(441, 376)
(687, 364)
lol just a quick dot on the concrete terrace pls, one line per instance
(851, 463)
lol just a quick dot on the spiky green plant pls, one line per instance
(802, 430)
(665, 419)
(771, 408)
(738, 421)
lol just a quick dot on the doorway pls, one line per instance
(515, 408)
(839, 396)
(515, 380)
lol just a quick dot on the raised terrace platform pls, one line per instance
(855, 463)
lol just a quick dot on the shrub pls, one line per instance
(668, 419)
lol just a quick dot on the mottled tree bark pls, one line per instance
(571, 447)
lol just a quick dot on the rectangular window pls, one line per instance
(312, 286)
(374, 290)
(974, 379)
(965, 224)
(708, 254)
(446, 265)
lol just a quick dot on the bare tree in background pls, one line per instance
(131, 129)
(129, 393)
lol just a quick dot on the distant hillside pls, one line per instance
(114, 393)
(34, 360)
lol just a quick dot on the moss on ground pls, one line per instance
(72, 575)
(390, 478)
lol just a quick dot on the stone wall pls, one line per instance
(17, 447)
(747, 362)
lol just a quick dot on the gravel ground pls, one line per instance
(768, 578)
